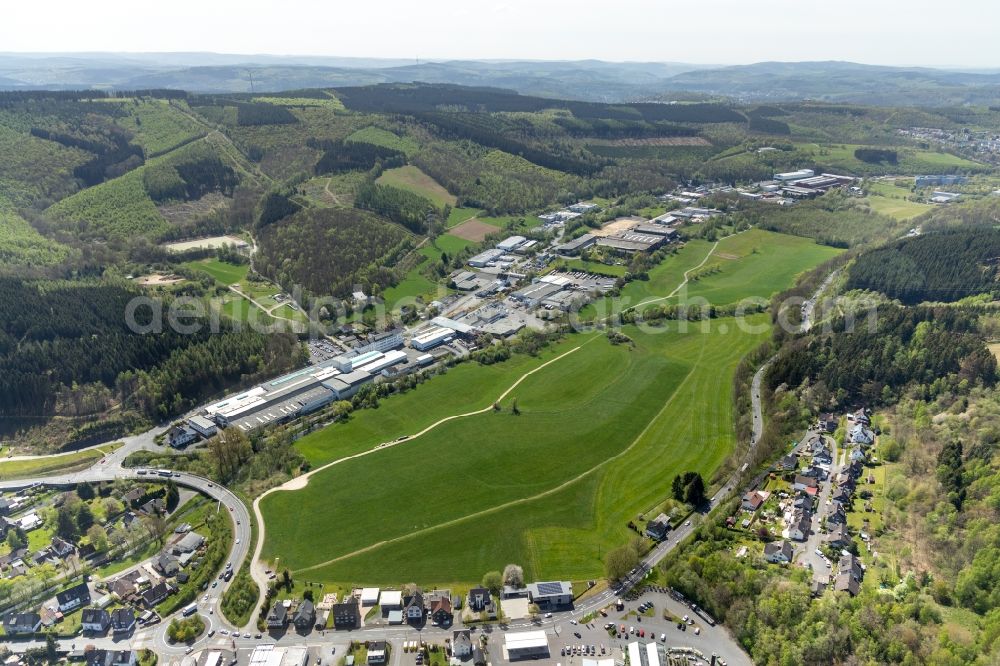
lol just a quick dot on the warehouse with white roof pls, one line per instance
(526, 645)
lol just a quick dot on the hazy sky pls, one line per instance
(910, 32)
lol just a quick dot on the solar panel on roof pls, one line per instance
(549, 588)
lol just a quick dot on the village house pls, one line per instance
(657, 528)
(753, 500)
(347, 615)
(305, 616)
(122, 621)
(413, 608)
(278, 617)
(838, 537)
(778, 552)
(480, 599)
(461, 644)
(441, 609)
(95, 620)
(74, 597)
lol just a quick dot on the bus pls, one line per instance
(190, 610)
(164, 472)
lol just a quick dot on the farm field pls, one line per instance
(474, 230)
(415, 283)
(413, 179)
(899, 209)
(545, 488)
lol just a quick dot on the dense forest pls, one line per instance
(401, 206)
(875, 356)
(945, 266)
(341, 156)
(58, 338)
(329, 250)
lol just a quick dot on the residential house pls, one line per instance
(823, 457)
(441, 610)
(852, 565)
(478, 656)
(480, 599)
(122, 621)
(802, 482)
(305, 616)
(278, 617)
(154, 507)
(347, 615)
(95, 620)
(658, 527)
(838, 537)
(778, 552)
(181, 436)
(828, 422)
(841, 495)
(861, 434)
(377, 653)
(788, 463)
(753, 500)
(837, 514)
(74, 597)
(856, 455)
(110, 658)
(61, 548)
(815, 472)
(845, 582)
(133, 496)
(188, 543)
(413, 607)
(155, 595)
(122, 587)
(861, 416)
(167, 564)
(22, 623)
(461, 644)
(801, 526)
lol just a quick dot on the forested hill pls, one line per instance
(944, 266)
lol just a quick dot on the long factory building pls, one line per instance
(301, 392)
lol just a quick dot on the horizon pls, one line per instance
(316, 56)
(514, 30)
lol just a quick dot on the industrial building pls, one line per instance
(344, 385)
(484, 259)
(576, 245)
(526, 645)
(939, 180)
(460, 329)
(532, 295)
(794, 175)
(511, 244)
(203, 426)
(630, 242)
(431, 337)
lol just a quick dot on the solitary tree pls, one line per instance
(493, 581)
(620, 561)
(513, 575)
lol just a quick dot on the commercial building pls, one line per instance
(381, 342)
(526, 645)
(461, 329)
(203, 426)
(551, 595)
(271, 655)
(484, 259)
(430, 338)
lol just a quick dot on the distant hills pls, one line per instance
(588, 80)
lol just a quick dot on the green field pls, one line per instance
(459, 215)
(413, 179)
(385, 138)
(223, 272)
(415, 283)
(601, 432)
(891, 198)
